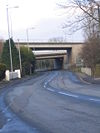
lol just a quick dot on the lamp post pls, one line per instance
(19, 57)
(27, 33)
(7, 9)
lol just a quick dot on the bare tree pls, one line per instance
(91, 27)
(83, 10)
(91, 53)
(1, 47)
(87, 17)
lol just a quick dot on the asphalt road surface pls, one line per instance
(56, 102)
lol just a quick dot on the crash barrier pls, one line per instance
(86, 71)
(12, 75)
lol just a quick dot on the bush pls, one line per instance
(28, 61)
(2, 71)
(5, 56)
(97, 72)
(26, 70)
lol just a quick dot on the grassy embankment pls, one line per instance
(97, 72)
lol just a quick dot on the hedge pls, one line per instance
(2, 71)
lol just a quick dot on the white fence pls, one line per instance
(12, 75)
(86, 71)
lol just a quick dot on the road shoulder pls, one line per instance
(87, 79)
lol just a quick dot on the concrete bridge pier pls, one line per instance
(69, 55)
(67, 59)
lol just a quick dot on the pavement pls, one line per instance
(88, 79)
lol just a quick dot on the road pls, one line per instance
(57, 102)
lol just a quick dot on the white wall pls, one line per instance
(12, 75)
(86, 71)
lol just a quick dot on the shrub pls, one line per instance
(2, 71)
(5, 56)
(28, 61)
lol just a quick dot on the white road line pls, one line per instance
(3, 111)
(66, 94)
(96, 100)
(46, 83)
(44, 86)
(49, 89)
(49, 80)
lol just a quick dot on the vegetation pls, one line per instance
(87, 17)
(5, 56)
(1, 47)
(82, 10)
(97, 72)
(28, 61)
(91, 53)
(27, 58)
(2, 71)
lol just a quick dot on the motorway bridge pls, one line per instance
(71, 55)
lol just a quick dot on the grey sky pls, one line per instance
(44, 15)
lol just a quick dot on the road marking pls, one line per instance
(8, 119)
(69, 94)
(66, 94)
(44, 86)
(49, 89)
(7, 107)
(46, 83)
(96, 100)
(49, 80)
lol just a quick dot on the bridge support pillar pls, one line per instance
(69, 56)
(65, 64)
(67, 59)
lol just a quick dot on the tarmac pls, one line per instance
(32, 99)
(6, 85)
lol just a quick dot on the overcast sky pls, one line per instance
(45, 16)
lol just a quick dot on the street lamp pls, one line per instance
(7, 9)
(20, 57)
(27, 33)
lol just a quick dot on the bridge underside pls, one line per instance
(50, 56)
(66, 56)
(49, 62)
